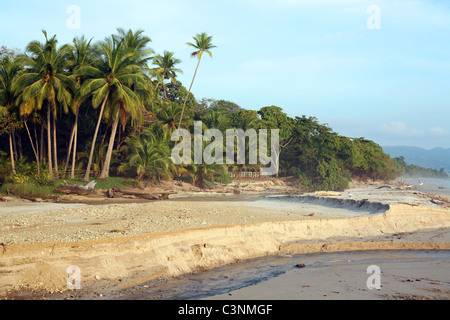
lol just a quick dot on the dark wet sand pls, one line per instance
(343, 276)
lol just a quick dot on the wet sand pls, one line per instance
(405, 275)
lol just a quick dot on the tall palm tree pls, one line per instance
(165, 69)
(129, 100)
(9, 69)
(114, 81)
(46, 82)
(136, 42)
(203, 43)
(81, 55)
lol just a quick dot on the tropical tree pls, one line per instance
(168, 113)
(9, 69)
(115, 81)
(216, 120)
(165, 69)
(200, 172)
(202, 43)
(244, 119)
(150, 154)
(273, 117)
(97, 158)
(82, 55)
(208, 168)
(46, 82)
(130, 98)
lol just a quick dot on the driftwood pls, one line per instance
(328, 194)
(115, 191)
(77, 189)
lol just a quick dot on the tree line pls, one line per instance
(109, 108)
(415, 171)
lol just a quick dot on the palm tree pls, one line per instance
(199, 172)
(203, 43)
(129, 98)
(168, 113)
(46, 82)
(245, 120)
(137, 43)
(216, 120)
(166, 69)
(114, 82)
(150, 154)
(82, 55)
(9, 69)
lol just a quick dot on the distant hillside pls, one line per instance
(435, 158)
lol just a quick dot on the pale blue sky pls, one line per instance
(310, 57)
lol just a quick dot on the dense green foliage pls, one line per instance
(109, 108)
(411, 170)
(324, 160)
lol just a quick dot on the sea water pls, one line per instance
(431, 185)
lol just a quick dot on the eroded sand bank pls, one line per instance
(219, 233)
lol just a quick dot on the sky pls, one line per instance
(378, 69)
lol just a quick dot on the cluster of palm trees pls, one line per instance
(120, 78)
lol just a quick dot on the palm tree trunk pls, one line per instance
(72, 136)
(69, 151)
(19, 145)
(38, 156)
(35, 150)
(55, 149)
(105, 170)
(91, 155)
(49, 144)
(100, 156)
(74, 156)
(164, 87)
(13, 166)
(41, 151)
(13, 136)
(189, 92)
(165, 92)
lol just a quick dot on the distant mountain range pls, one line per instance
(435, 158)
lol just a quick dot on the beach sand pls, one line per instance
(118, 246)
(411, 275)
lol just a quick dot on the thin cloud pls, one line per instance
(399, 128)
